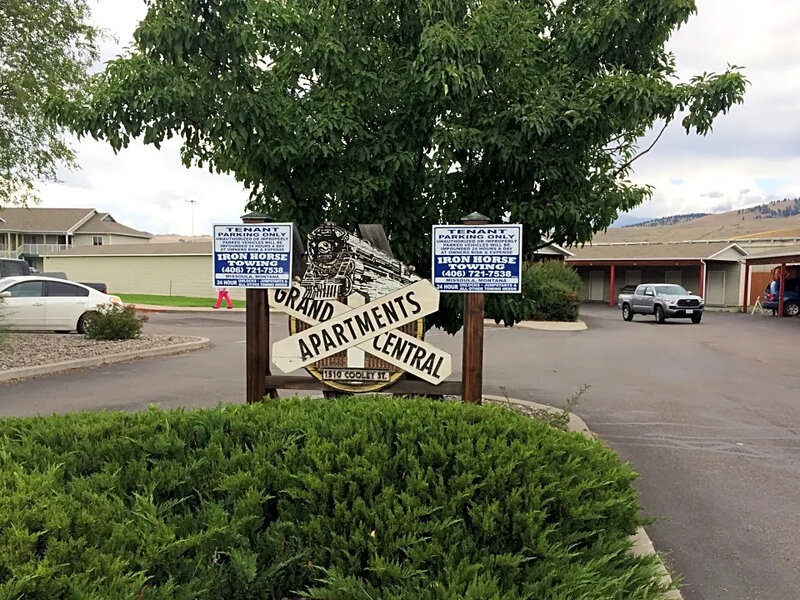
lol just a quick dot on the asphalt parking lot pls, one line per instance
(709, 414)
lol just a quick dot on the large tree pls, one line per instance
(46, 47)
(411, 112)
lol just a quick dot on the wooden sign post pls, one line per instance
(472, 352)
(257, 334)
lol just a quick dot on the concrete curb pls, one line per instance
(98, 361)
(642, 544)
(545, 325)
(152, 308)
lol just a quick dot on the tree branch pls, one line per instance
(628, 163)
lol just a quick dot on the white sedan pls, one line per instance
(33, 303)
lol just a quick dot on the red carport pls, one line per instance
(701, 267)
(789, 255)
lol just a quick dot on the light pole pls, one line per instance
(192, 202)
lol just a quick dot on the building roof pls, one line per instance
(63, 221)
(785, 254)
(644, 251)
(101, 223)
(552, 249)
(149, 249)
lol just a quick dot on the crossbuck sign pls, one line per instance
(372, 327)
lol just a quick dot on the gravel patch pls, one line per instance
(35, 349)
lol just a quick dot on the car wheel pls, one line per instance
(81, 327)
(627, 313)
(660, 315)
(697, 318)
(791, 309)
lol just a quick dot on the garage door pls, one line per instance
(673, 277)
(633, 277)
(596, 284)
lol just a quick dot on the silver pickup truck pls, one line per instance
(662, 300)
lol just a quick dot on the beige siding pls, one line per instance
(733, 293)
(176, 275)
(82, 240)
(109, 239)
(733, 289)
(729, 288)
(729, 254)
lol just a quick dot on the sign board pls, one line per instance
(253, 255)
(356, 317)
(477, 258)
(394, 347)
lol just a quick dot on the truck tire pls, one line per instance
(627, 313)
(791, 309)
(697, 318)
(660, 318)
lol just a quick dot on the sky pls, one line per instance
(751, 156)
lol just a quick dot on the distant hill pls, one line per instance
(774, 219)
(671, 220)
(626, 220)
(773, 210)
(172, 238)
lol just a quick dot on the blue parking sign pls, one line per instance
(477, 258)
(253, 255)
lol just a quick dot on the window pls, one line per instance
(97, 240)
(56, 288)
(26, 289)
(671, 290)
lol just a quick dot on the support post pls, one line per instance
(611, 294)
(257, 334)
(472, 344)
(702, 293)
(781, 289)
(746, 298)
(472, 353)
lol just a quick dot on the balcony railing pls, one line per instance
(39, 249)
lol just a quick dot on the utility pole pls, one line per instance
(192, 202)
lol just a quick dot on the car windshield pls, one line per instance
(671, 290)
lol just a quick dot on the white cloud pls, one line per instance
(755, 147)
(756, 144)
(148, 189)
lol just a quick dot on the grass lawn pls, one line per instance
(183, 301)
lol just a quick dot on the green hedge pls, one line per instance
(550, 292)
(554, 288)
(115, 322)
(352, 499)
